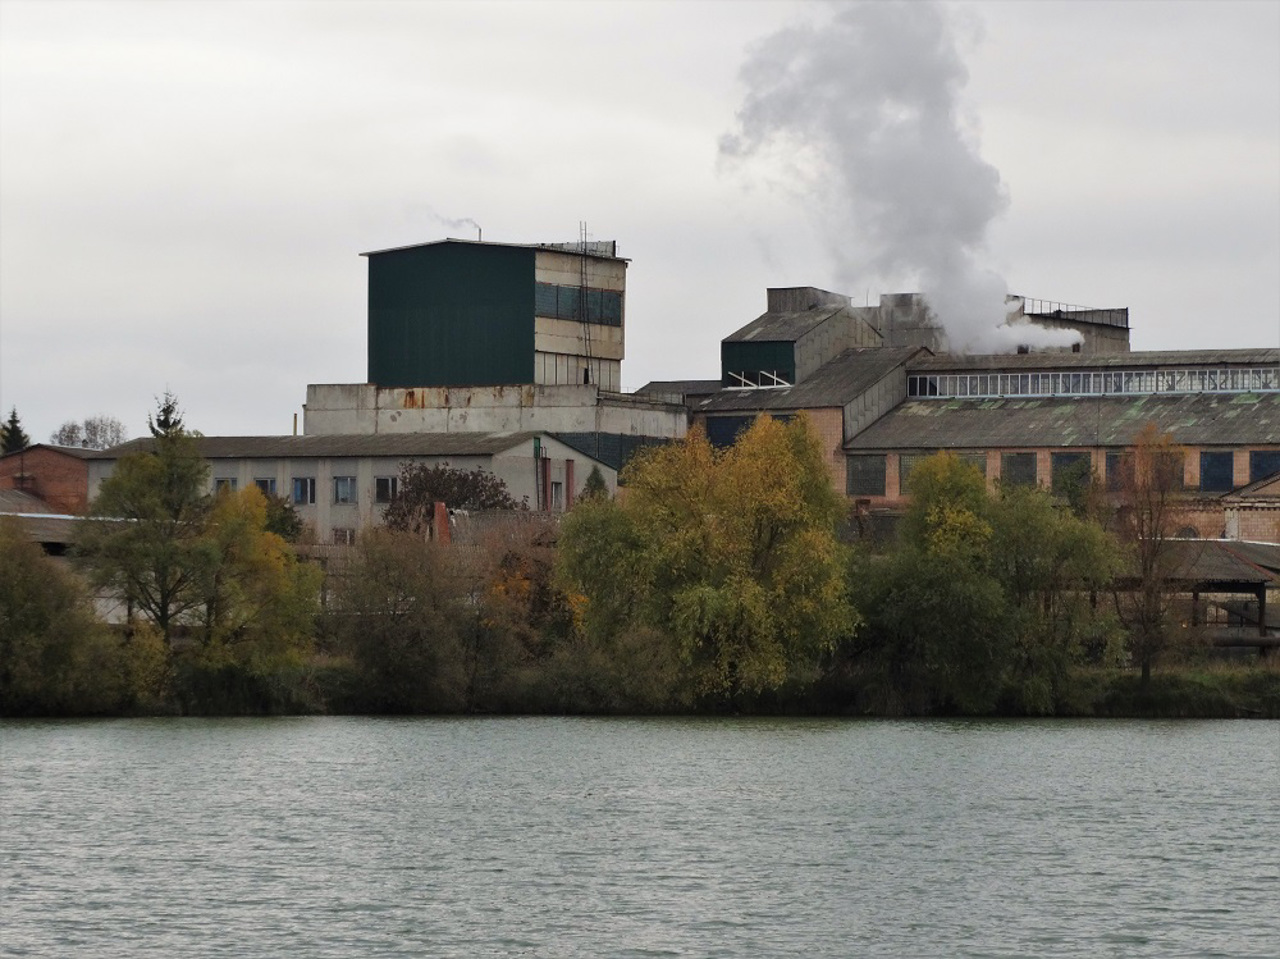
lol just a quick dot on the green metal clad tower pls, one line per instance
(452, 313)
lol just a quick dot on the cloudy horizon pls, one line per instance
(185, 188)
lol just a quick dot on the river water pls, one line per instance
(525, 837)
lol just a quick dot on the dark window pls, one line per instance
(1018, 469)
(906, 463)
(1171, 469)
(386, 488)
(1068, 471)
(304, 490)
(864, 474)
(565, 303)
(977, 460)
(1217, 472)
(1262, 463)
(268, 486)
(224, 483)
(344, 489)
(1119, 471)
(344, 537)
(723, 430)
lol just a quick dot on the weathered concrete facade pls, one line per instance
(570, 352)
(365, 408)
(342, 484)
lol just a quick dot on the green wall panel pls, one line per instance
(451, 314)
(738, 356)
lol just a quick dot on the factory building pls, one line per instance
(882, 398)
(342, 484)
(482, 337)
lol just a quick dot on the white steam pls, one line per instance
(865, 106)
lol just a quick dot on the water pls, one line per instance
(579, 837)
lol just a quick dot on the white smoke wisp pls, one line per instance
(866, 106)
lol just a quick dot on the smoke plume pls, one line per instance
(865, 107)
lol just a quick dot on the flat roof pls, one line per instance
(550, 247)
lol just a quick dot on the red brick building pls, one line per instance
(57, 475)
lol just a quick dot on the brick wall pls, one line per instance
(60, 479)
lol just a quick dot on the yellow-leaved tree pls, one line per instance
(729, 555)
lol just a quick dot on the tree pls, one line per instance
(595, 487)
(1151, 478)
(55, 658)
(259, 602)
(95, 433)
(168, 417)
(731, 555)
(421, 486)
(146, 542)
(401, 612)
(12, 437)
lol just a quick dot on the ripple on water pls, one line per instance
(562, 837)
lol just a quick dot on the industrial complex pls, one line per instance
(507, 357)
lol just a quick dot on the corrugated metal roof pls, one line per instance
(79, 452)
(835, 383)
(1200, 419)
(364, 444)
(999, 362)
(679, 387)
(782, 327)
(1222, 561)
(16, 501)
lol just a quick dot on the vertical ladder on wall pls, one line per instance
(584, 315)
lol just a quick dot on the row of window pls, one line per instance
(865, 472)
(951, 385)
(574, 303)
(385, 488)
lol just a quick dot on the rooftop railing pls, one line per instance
(1265, 379)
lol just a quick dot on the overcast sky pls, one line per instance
(185, 187)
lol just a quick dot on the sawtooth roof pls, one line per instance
(363, 444)
(1200, 419)
(835, 383)
(1022, 362)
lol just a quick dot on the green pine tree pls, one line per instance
(12, 438)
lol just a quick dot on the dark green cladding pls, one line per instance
(747, 357)
(451, 314)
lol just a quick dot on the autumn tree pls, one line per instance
(259, 601)
(12, 437)
(1146, 518)
(146, 542)
(55, 657)
(422, 485)
(730, 555)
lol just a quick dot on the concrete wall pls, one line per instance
(562, 347)
(363, 408)
(515, 467)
